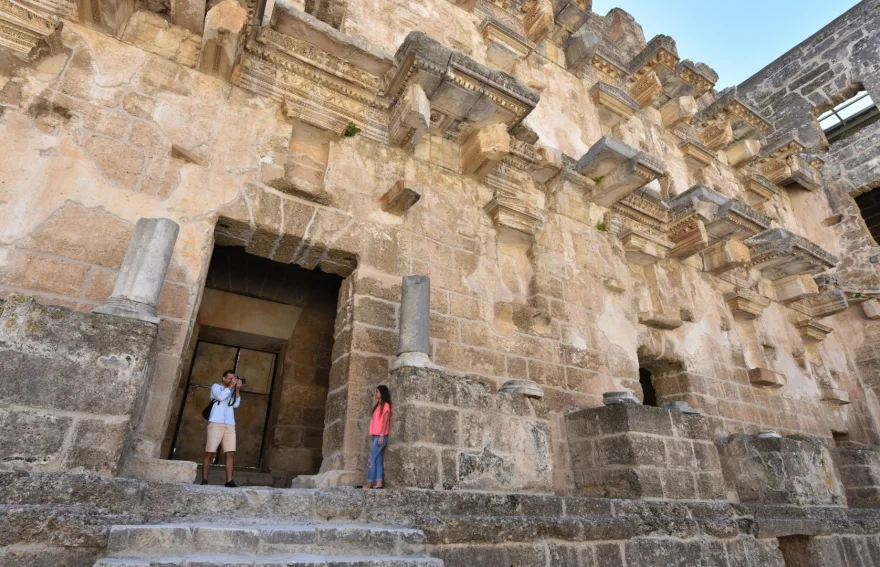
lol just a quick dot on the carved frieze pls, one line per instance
(464, 94)
(659, 56)
(778, 253)
(801, 173)
(27, 33)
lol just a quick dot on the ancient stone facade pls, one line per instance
(502, 210)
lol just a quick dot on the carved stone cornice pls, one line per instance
(746, 303)
(460, 89)
(760, 189)
(745, 122)
(510, 211)
(698, 75)
(617, 170)
(606, 68)
(659, 56)
(696, 154)
(801, 173)
(642, 247)
(724, 218)
(495, 31)
(28, 33)
(813, 330)
(778, 253)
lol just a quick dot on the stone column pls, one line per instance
(140, 279)
(415, 323)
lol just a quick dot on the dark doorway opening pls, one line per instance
(649, 395)
(273, 324)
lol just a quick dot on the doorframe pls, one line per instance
(238, 339)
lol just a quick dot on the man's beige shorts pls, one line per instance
(220, 432)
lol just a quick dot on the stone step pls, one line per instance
(291, 560)
(264, 539)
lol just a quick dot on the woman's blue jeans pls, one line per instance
(376, 472)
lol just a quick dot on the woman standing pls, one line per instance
(380, 427)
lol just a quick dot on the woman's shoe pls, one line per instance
(204, 482)
(231, 484)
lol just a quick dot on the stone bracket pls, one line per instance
(613, 105)
(410, 118)
(484, 150)
(746, 303)
(777, 253)
(766, 377)
(813, 330)
(400, 198)
(617, 170)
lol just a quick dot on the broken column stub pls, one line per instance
(140, 279)
(414, 343)
(581, 47)
(617, 170)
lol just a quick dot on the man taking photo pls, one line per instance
(225, 397)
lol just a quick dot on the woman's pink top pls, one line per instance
(378, 417)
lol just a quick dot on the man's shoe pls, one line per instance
(204, 482)
(231, 484)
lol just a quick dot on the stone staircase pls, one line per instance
(244, 544)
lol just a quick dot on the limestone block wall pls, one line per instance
(454, 432)
(100, 134)
(781, 470)
(631, 451)
(859, 471)
(73, 387)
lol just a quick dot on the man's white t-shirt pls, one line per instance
(222, 412)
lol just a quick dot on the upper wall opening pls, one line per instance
(848, 117)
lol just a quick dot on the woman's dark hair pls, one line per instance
(384, 394)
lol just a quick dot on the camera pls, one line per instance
(240, 379)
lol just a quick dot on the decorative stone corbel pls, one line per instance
(871, 308)
(746, 303)
(760, 189)
(801, 174)
(647, 89)
(509, 212)
(538, 22)
(696, 155)
(678, 110)
(725, 256)
(617, 170)
(223, 31)
(743, 153)
(400, 198)
(549, 163)
(27, 33)
(778, 253)
(410, 119)
(717, 136)
(614, 105)
(484, 149)
(766, 377)
(659, 320)
(642, 247)
(794, 288)
(827, 303)
(813, 330)
(506, 46)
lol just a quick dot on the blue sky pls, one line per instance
(736, 38)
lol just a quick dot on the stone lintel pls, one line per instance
(725, 256)
(400, 198)
(812, 330)
(795, 288)
(871, 308)
(659, 320)
(646, 90)
(614, 105)
(696, 155)
(678, 110)
(746, 303)
(538, 22)
(743, 152)
(484, 149)
(777, 253)
(525, 388)
(410, 118)
(766, 377)
(643, 248)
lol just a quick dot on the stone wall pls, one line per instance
(74, 385)
(453, 432)
(632, 451)
(537, 272)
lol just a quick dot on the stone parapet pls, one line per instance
(635, 451)
(793, 469)
(455, 432)
(73, 385)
